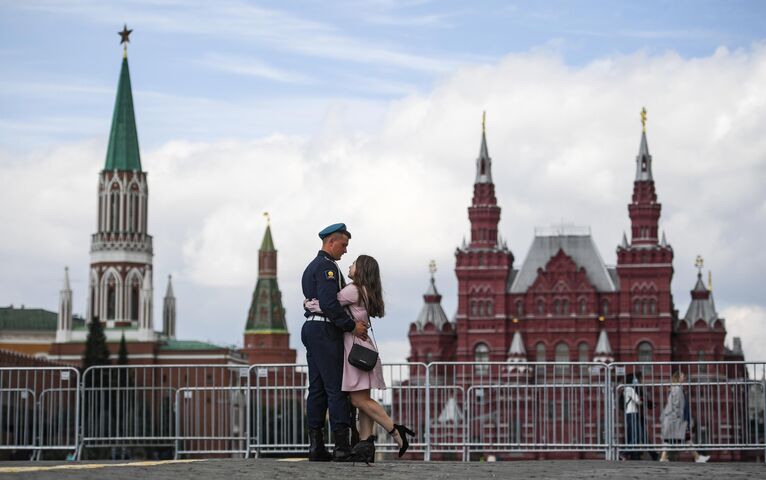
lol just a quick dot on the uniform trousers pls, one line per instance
(324, 355)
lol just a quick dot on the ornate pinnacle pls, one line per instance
(125, 38)
(484, 122)
(432, 267)
(699, 262)
(643, 119)
(268, 218)
(710, 280)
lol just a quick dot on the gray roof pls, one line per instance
(603, 347)
(580, 247)
(483, 175)
(517, 346)
(432, 311)
(643, 169)
(701, 308)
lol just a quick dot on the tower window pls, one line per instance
(540, 352)
(582, 352)
(481, 354)
(583, 307)
(134, 297)
(562, 355)
(645, 352)
(541, 306)
(519, 308)
(111, 299)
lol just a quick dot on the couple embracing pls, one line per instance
(337, 317)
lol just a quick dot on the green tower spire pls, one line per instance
(122, 153)
(266, 314)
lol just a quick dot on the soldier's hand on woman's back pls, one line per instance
(361, 330)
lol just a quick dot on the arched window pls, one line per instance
(519, 308)
(489, 309)
(636, 306)
(111, 298)
(701, 356)
(645, 307)
(583, 306)
(135, 288)
(473, 308)
(556, 307)
(605, 308)
(481, 354)
(565, 307)
(481, 308)
(653, 307)
(583, 353)
(562, 355)
(645, 352)
(540, 352)
(540, 306)
(133, 211)
(114, 211)
(93, 302)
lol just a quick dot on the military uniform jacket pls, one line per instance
(322, 280)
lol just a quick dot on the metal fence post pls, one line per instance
(427, 454)
(609, 417)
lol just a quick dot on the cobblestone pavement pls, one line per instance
(270, 469)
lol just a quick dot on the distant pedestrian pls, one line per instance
(676, 419)
(635, 405)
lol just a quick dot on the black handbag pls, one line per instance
(362, 357)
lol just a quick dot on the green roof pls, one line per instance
(267, 245)
(266, 313)
(173, 344)
(122, 153)
(31, 319)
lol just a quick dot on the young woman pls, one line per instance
(364, 297)
(675, 418)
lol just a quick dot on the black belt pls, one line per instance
(317, 318)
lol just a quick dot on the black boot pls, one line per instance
(364, 451)
(317, 451)
(342, 450)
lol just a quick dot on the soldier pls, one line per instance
(322, 335)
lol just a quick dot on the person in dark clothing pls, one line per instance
(322, 335)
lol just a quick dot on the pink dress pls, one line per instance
(353, 378)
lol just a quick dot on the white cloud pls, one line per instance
(563, 141)
(251, 67)
(747, 322)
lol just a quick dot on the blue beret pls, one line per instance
(335, 227)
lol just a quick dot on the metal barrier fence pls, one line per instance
(135, 406)
(517, 407)
(39, 409)
(721, 406)
(277, 397)
(459, 410)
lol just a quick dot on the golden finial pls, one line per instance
(432, 267)
(710, 280)
(484, 122)
(268, 218)
(699, 262)
(643, 119)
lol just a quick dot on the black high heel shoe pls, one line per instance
(403, 432)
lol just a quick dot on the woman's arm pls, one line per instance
(349, 295)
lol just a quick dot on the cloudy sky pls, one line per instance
(369, 112)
